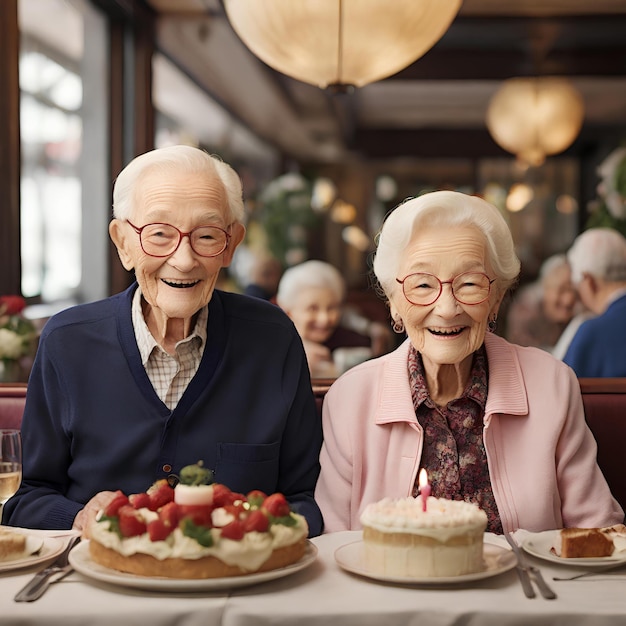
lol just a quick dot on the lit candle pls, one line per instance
(424, 488)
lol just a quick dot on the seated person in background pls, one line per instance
(265, 273)
(540, 312)
(492, 423)
(598, 260)
(312, 294)
(130, 389)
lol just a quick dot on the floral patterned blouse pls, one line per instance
(454, 451)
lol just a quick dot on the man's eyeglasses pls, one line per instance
(467, 288)
(161, 240)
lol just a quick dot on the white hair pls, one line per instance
(306, 275)
(176, 159)
(600, 252)
(444, 209)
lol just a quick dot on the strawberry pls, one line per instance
(256, 497)
(234, 509)
(234, 530)
(139, 500)
(169, 514)
(223, 495)
(256, 521)
(200, 514)
(130, 523)
(160, 493)
(158, 530)
(119, 499)
(276, 505)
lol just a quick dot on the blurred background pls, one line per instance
(89, 84)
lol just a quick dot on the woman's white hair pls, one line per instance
(600, 252)
(183, 158)
(444, 209)
(307, 275)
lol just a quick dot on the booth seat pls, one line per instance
(605, 410)
(12, 399)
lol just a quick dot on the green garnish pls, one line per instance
(285, 520)
(201, 534)
(114, 524)
(196, 475)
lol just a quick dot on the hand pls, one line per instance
(88, 514)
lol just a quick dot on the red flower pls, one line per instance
(12, 305)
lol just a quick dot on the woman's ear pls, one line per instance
(119, 237)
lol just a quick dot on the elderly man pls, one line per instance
(598, 261)
(128, 390)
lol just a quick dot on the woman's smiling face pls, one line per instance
(445, 332)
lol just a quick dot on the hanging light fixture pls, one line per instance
(535, 117)
(340, 43)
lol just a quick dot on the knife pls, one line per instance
(522, 572)
(38, 584)
(525, 571)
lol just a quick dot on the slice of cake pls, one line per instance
(12, 544)
(402, 540)
(588, 542)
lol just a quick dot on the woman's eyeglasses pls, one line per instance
(160, 240)
(468, 288)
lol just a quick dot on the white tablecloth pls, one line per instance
(323, 594)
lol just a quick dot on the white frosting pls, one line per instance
(248, 554)
(406, 515)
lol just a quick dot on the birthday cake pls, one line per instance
(402, 540)
(197, 530)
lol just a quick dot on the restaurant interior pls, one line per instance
(329, 127)
(89, 84)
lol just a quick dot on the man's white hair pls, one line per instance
(600, 252)
(306, 275)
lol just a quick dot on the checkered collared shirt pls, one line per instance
(169, 374)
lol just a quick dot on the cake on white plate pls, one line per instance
(573, 543)
(198, 529)
(402, 540)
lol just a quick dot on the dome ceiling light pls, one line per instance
(340, 43)
(535, 117)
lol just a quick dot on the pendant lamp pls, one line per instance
(535, 117)
(340, 43)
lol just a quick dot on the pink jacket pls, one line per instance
(541, 454)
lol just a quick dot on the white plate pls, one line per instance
(38, 550)
(82, 562)
(540, 545)
(497, 560)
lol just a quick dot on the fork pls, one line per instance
(37, 585)
(527, 572)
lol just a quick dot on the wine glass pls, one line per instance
(10, 463)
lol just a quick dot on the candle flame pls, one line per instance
(423, 478)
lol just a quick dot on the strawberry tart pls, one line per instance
(197, 529)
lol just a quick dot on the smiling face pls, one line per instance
(175, 287)
(315, 313)
(445, 332)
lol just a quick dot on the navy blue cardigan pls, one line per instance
(93, 421)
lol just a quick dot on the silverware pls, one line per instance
(528, 572)
(38, 584)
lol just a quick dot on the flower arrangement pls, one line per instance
(610, 208)
(18, 335)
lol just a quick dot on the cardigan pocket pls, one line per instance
(243, 467)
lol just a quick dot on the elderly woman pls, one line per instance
(130, 389)
(313, 294)
(491, 422)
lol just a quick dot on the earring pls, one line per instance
(397, 326)
(492, 324)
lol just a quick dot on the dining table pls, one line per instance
(322, 593)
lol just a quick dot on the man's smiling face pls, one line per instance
(179, 285)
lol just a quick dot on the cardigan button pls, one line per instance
(167, 468)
